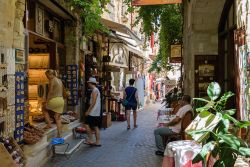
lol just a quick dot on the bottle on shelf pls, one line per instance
(8, 146)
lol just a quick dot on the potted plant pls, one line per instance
(221, 141)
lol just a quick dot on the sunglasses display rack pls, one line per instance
(72, 84)
(19, 130)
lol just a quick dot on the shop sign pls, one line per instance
(133, 62)
(19, 56)
(154, 2)
(176, 53)
(119, 55)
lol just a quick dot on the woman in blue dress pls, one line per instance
(131, 95)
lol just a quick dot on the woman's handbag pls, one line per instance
(126, 102)
(66, 93)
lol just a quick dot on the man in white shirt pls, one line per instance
(93, 113)
(173, 126)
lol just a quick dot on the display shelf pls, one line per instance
(5, 157)
(39, 61)
(72, 84)
(11, 154)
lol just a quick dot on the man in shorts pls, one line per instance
(93, 113)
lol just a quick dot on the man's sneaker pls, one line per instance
(161, 153)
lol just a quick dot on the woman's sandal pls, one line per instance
(89, 143)
(128, 127)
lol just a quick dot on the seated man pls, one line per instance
(174, 126)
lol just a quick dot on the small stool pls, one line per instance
(53, 147)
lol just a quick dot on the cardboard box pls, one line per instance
(106, 120)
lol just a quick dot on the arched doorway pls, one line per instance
(227, 60)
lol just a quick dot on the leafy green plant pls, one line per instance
(222, 141)
(165, 19)
(90, 12)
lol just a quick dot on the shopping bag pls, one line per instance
(56, 141)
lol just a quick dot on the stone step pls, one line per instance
(66, 128)
(38, 153)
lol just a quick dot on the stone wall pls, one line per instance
(11, 38)
(201, 19)
(7, 23)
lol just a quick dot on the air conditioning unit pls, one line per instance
(42, 92)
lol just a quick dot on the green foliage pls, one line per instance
(90, 12)
(221, 142)
(170, 97)
(165, 19)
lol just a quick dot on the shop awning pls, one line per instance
(130, 44)
(120, 28)
(58, 9)
(154, 2)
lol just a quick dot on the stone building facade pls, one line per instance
(201, 20)
(216, 48)
(15, 35)
(11, 38)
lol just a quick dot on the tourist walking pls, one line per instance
(55, 101)
(131, 96)
(93, 114)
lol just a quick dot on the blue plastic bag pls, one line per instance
(55, 141)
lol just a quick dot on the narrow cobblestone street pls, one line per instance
(120, 147)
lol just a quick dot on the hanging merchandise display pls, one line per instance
(72, 84)
(19, 130)
(140, 87)
(242, 80)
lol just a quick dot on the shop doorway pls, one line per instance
(227, 59)
(43, 54)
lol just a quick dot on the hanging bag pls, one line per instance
(126, 102)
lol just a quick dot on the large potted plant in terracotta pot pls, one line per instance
(220, 140)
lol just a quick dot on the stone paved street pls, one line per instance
(120, 147)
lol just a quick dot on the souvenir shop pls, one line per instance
(45, 50)
(95, 55)
(25, 86)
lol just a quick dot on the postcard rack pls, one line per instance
(72, 84)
